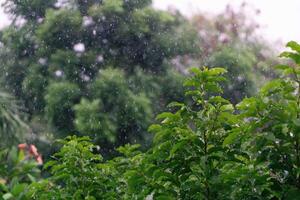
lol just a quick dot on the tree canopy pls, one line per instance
(68, 58)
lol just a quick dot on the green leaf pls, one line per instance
(293, 194)
(32, 178)
(296, 122)
(270, 136)
(282, 67)
(218, 99)
(165, 115)
(190, 83)
(164, 197)
(7, 196)
(231, 138)
(177, 147)
(293, 56)
(272, 87)
(18, 189)
(175, 104)
(195, 70)
(286, 69)
(90, 198)
(294, 46)
(217, 71)
(154, 128)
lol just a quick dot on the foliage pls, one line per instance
(187, 148)
(60, 99)
(271, 129)
(229, 39)
(240, 79)
(77, 174)
(54, 45)
(100, 68)
(28, 9)
(90, 120)
(12, 125)
(17, 172)
(204, 149)
(115, 109)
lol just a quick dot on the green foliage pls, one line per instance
(204, 149)
(57, 29)
(229, 39)
(16, 173)
(160, 89)
(77, 173)
(271, 119)
(239, 64)
(60, 99)
(12, 125)
(187, 153)
(117, 109)
(91, 120)
(40, 60)
(31, 10)
(34, 88)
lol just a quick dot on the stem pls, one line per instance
(205, 154)
(205, 138)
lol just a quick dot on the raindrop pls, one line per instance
(58, 73)
(240, 78)
(104, 41)
(79, 47)
(42, 61)
(40, 20)
(85, 77)
(100, 58)
(87, 21)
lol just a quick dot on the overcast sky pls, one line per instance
(281, 18)
(3, 18)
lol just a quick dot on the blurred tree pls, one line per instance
(115, 109)
(239, 64)
(53, 52)
(12, 127)
(60, 99)
(231, 40)
(30, 10)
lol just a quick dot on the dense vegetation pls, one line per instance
(93, 67)
(83, 81)
(106, 68)
(204, 149)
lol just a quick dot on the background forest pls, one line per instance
(105, 69)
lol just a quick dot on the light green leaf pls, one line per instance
(7, 196)
(231, 138)
(294, 46)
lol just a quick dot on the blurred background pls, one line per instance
(275, 18)
(106, 68)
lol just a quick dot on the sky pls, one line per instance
(280, 18)
(4, 21)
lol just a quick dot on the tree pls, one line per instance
(231, 39)
(115, 109)
(59, 58)
(13, 128)
(241, 75)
